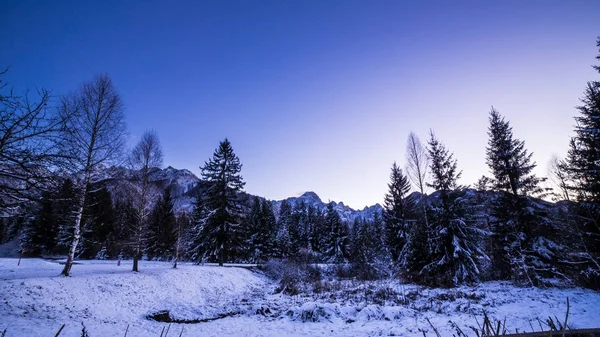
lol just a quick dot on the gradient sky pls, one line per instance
(317, 95)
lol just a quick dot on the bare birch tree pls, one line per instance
(29, 134)
(558, 177)
(147, 154)
(417, 161)
(94, 127)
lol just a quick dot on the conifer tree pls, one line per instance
(519, 250)
(454, 254)
(219, 209)
(98, 220)
(261, 228)
(583, 167)
(162, 231)
(284, 222)
(336, 247)
(398, 211)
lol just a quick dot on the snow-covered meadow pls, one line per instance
(107, 298)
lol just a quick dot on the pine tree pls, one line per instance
(583, 167)
(98, 223)
(284, 222)
(454, 254)
(519, 249)
(399, 209)
(262, 234)
(219, 209)
(336, 246)
(509, 161)
(161, 237)
(41, 233)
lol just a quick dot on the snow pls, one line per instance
(106, 298)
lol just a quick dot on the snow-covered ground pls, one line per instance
(106, 298)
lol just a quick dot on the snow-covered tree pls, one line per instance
(94, 133)
(398, 211)
(261, 231)
(284, 222)
(583, 167)
(336, 244)
(521, 247)
(454, 255)
(219, 209)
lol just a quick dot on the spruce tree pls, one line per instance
(520, 250)
(261, 231)
(162, 232)
(219, 209)
(583, 167)
(284, 222)
(336, 246)
(454, 256)
(398, 211)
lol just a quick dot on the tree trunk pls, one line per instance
(76, 236)
(136, 257)
(221, 257)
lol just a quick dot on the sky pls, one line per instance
(317, 95)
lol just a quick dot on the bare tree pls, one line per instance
(95, 133)
(417, 161)
(29, 135)
(146, 155)
(558, 177)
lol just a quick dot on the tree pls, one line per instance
(417, 162)
(98, 223)
(509, 161)
(583, 166)
(261, 227)
(398, 211)
(162, 233)
(559, 177)
(29, 138)
(454, 255)
(520, 250)
(584, 153)
(284, 222)
(94, 131)
(219, 209)
(336, 249)
(145, 156)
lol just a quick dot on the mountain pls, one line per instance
(346, 213)
(185, 187)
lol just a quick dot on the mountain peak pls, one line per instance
(311, 195)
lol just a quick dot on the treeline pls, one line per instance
(54, 179)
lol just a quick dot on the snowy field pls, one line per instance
(106, 298)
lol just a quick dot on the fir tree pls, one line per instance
(583, 167)
(519, 250)
(284, 222)
(398, 211)
(219, 209)
(98, 223)
(454, 254)
(262, 234)
(162, 232)
(336, 246)
(41, 233)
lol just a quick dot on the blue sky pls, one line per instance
(317, 95)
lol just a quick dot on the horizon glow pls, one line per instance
(317, 96)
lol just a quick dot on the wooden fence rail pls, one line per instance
(568, 333)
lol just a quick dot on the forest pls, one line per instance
(69, 188)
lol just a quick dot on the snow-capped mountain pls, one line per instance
(184, 187)
(346, 213)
